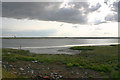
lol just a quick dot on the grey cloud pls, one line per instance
(85, 6)
(111, 17)
(61, 24)
(99, 22)
(48, 11)
(70, 15)
(30, 10)
(0, 9)
(115, 8)
(75, 26)
(114, 16)
(94, 8)
(118, 11)
(79, 5)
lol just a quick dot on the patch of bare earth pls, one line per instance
(32, 69)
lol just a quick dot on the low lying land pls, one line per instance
(91, 62)
(59, 37)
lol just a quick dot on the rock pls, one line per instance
(4, 66)
(21, 69)
(77, 72)
(86, 73)
(60, 76)
(48, 68)
(81, 76)
(9, 53)
(24, 73)
(15, 72)
(28, 67)
(39, 63)
(6, 62)
(34, 61)
(55, 73)
(72, 72)
(11, 65)
(32, 71)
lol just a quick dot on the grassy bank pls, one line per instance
(103, 59)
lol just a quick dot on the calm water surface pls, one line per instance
(52, 46)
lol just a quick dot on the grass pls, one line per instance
(10, 75)
(103, 59)
(82, 48)
(6, 74)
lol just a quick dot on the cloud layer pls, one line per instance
(72, 12)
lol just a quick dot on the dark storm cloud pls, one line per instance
(115, 7)
(118, 11)
(48, 11)
(0, 9)
(51, 11)
(31, 10)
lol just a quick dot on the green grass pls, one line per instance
(82, 48)
(10, 74)
(6, 74)
(103, 59)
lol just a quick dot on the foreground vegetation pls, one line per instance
(103, 59)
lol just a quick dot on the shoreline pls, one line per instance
(59, 49)
(90, 63)
(59, 37)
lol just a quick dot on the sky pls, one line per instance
(94, 18)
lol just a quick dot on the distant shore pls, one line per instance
(60, 38)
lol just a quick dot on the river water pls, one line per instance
(53, 46)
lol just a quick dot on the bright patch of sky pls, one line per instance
(57, 29)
